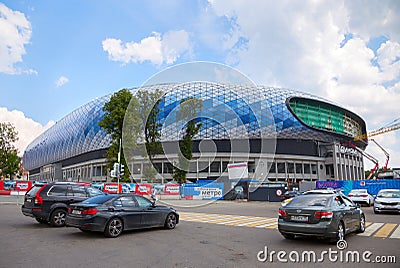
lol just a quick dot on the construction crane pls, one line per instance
(385, 152)
(370, 157)
(394, 125)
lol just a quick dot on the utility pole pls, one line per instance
(119, 163)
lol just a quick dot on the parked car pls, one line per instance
(361, 196)
(325, 215)
(113, 214)
(387, 200)
(49, 202)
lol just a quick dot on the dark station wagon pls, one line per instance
(48, 203)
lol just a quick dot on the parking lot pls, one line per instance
(200, 240)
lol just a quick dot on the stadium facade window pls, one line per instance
(281, 167)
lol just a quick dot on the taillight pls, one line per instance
(282, 213)
(69, 210)
(90, 211)
(38, 198)
(323, 215)
(350, 195)
(364, 195)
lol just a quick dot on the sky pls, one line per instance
(56, 56)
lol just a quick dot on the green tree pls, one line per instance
(112, 123)
(148, 110)
(10, 162)
(189, 109)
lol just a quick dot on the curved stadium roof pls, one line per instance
(230, 111)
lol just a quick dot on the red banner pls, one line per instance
(143, 188)
(112, 188)
(171, 189)
(23, 185)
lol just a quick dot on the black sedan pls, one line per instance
(112, 214)
(326, 215)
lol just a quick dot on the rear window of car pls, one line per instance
(34, 190)
(100, 199)
(309, 201)
(93, 191)
(358, 191)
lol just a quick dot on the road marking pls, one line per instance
(255, 222)
(261, 224)
(371, 229)
(267, 225)
(385, 230)
(396, 233)
(377, 229)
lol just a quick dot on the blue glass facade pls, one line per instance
(229, 111)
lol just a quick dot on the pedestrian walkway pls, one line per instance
(377, 229)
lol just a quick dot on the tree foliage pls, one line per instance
(134, 119)
(189, 109)
(10, 162)
(112, 123)
(148, 102)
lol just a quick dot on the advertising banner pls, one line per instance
(372, 186)
(171, 189)
(330, 184)
(23, 185)
(211, 191)
(238, 171)
(112, 188)
(143, 189)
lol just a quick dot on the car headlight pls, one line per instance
(377, 202)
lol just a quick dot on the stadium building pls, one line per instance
(305, 134)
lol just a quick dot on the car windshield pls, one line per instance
(309, 201)
(100, 199)
(389, 194)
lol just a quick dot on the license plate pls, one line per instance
(77, 212)
(299, 218)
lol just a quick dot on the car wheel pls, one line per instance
(340, 233)
(57, 218)
(170, 221)
(114, 228)
(361, 228)
(41, 220)
(288, 236)
(369, 203)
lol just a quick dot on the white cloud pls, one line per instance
(322, 47)
(27, 129)
(15, 33)
(156, 49)
(62, 80)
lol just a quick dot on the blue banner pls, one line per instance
(372, 186)
(209, 191)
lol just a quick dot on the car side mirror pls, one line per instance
(358, 205)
